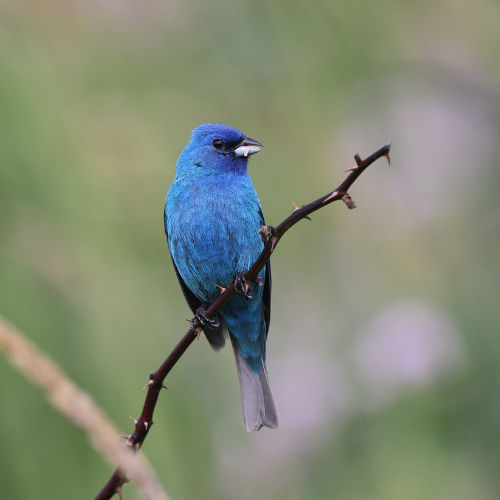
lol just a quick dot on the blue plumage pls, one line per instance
(212, 218)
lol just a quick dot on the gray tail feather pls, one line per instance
(256, 397)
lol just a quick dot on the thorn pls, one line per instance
(149, 384)
(119, 491)
(146, 425)
(152, 382)
(198, 334)
(221, 288)
(127, 437)
(333, 195)
(188, 320)
(352, 169)
(388, 157)
(133, 420)
(295, 208)
(358, 159)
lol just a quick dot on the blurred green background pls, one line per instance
(383, 353)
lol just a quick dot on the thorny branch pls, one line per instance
(271, 236)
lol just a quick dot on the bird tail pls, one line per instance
(216, 338)
(256, 397)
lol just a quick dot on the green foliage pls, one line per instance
(97, 100)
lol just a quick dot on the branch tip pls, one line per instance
(221, 289)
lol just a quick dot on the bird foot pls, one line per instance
(268, 233)
(242, 285)
(201, 319)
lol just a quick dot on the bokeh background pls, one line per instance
(384, 352)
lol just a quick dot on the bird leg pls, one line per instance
(201, 319)
(242, 285)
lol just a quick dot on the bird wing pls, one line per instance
(266, 296)
(216, 338)
(193, 302)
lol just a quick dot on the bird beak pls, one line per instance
(247, 147)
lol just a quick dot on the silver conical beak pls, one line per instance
(247, 147)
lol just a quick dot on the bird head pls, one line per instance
(216, 148)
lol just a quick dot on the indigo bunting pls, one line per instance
(212, 218)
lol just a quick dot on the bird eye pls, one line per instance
(218, 143)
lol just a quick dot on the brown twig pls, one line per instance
(78, 407)
(271, 235)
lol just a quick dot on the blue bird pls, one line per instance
(212, 218)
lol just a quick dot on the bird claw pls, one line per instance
(269, 233)
(201, 319)
(242, 285)
(266, 232)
